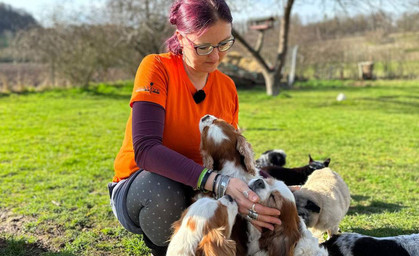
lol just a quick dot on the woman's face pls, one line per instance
(214, 34)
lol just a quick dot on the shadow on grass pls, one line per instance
(374, 207)
(351, 86)
(20, 247)
(121, 90)
(360, 198)
(384, 232)
(111, 94)
(263, 129)
(398, 100)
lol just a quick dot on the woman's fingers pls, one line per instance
(267, 210)
(259, 225)
(239, 190)
(260, 209)
(247, 201)
(294, 188)
(268, 219)
(252, 196)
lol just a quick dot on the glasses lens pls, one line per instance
(204, 49)
(224, 46)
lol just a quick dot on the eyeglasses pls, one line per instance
(206, 49)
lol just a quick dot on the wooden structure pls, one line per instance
(366, 70)
(262, 24)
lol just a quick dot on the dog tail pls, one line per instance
(215, 243)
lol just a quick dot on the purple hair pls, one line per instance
(191, 16)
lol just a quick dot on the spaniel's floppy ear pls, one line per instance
(215, 243)
(245, 149)
(207, 159)
(289, 232)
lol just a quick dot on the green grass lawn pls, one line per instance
(57, 150)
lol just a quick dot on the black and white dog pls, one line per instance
(353, 244)
(272, 157)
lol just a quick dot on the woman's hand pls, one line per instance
(266, 217)
(294, 188)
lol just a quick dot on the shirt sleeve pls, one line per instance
(150, 154)
(151, 81)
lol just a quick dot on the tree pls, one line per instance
(79, 51)
(75, 53)
(273, 73)
(143, 27)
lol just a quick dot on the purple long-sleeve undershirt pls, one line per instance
(150, 154)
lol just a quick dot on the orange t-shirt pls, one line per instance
(162, 79)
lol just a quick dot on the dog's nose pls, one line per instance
(229, 198)
(259, 184)
(205, 118)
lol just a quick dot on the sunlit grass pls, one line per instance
(57, 150)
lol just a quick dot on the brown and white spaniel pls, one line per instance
(205, 229)
(224, 149)
(289, 238)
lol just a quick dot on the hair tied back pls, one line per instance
(174, 12)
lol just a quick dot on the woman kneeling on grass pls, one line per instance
(159, 163)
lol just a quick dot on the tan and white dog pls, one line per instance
(224, 149)
(323, 201)
(291, 238)
(205, 228)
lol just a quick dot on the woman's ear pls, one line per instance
(179, 38)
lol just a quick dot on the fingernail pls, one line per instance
(278, 213)
(254, 198)
(271, 228)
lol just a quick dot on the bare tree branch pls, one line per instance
(250, 49)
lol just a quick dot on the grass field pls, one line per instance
(57, 150)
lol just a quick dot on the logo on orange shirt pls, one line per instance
(149, 89)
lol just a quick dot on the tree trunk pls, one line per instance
(272, 75)
(272, 82)
(52, 72)
(283, 38)
(252, 51)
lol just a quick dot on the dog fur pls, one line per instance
(205, 228)
(272, 157)
(323, 201)
(224, 149)
(296, 175)
(289, 238)
(353, 244)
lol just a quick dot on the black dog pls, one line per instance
(298, 175)
(359, 245)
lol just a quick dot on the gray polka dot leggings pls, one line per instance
(148, 204)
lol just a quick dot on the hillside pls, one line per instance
(12, 19)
